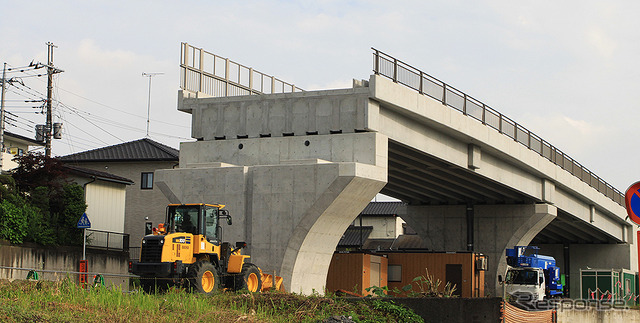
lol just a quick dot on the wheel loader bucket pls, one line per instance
(271, 282)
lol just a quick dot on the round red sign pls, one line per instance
(632, 202)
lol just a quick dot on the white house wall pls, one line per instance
(383, 227)
(105, 206)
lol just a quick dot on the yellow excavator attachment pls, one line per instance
(271, 282)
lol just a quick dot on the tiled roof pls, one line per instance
(409, 241)
(98, 174)
(381, 208)
(352, 237)
(378, 244)
(26, 140)
(140, 150)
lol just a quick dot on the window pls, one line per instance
(211, 222)
(394, 273)
(184, 219)
(147, 181)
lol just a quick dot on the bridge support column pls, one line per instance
(290, 209)
(497, 227)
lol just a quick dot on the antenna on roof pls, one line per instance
(149, 75)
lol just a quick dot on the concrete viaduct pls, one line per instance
(295, 169)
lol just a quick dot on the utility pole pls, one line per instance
(149, 75)
(49, 125)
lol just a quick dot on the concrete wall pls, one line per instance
(592, 315)
(451, 310)
(62, 260)
(139, 203)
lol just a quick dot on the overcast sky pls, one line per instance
(567, 70)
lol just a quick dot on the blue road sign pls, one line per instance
(84, 222)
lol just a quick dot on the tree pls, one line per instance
(36, 170)
(43, 206)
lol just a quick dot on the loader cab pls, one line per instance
(197, 219)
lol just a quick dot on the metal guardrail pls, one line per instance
(428, 85)
(201, 71)
(108, 240)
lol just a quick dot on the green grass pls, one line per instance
(64, 301)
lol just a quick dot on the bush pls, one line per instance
(13, 222)
(73, 207)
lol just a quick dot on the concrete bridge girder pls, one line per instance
(443, 133)
(291, 211)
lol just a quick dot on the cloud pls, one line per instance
(601, 42)
(571, 135)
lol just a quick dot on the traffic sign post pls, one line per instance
(632, 202)
(84, 224)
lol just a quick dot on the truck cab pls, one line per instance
(526, 280)
(532, 274)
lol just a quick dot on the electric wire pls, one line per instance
(32, 95)
(87, 133)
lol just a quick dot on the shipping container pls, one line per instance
(398, 269)
(355, 272)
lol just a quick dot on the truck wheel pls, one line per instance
(249, 279)
(203, 277)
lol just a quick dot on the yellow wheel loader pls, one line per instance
(187, 250)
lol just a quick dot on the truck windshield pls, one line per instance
(183, 218)
(522, 277)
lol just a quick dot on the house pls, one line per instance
(105, 196)
(16, 145)
(383, 217)
(378, 227)
(137, 160)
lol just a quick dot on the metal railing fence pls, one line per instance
(201, 71)
(108, 240)
(426, 84)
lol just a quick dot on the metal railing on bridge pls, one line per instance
(426, 84)
(201, 71)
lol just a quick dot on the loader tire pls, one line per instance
(249, 279)
(203, 278)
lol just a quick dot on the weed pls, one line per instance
(401, 313)
(46, 301)
(428, 286)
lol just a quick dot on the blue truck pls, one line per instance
(529, 272)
